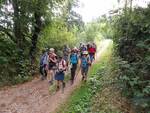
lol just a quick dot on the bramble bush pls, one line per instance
(132, 39)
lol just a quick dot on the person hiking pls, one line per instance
(74, 63)
(43, 65)
(95, 49)
(85, 62)
(80, 45)
(88, 45)
(91, 51)
(60, 72)
(52, 65)
(82, 49)
(66, 52)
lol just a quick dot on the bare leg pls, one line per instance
(50, 76)
(63, 86)
(58, 85)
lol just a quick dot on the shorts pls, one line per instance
(51, 66)
(84, 70)
(59, 76)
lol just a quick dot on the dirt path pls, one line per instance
(34, 97)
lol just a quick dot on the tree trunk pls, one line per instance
(17, 28)
(17, 25)
(37, 29)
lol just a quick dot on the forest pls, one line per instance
(118, 83)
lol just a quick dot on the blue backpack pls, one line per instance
(84, 62)
(73, 58)
(83, 49)
(42, 60)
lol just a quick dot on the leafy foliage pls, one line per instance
(131, 35)
(28, 26)
(56, 33)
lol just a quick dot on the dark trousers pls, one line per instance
(43, 72)
(73, 71)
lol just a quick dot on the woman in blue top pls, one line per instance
(85, 63)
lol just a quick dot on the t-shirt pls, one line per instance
(91, 50)
(73, 58)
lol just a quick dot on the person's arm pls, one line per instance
(70, 59)
(80, 62)
(65, 65)
(53, 60)
(77, 58)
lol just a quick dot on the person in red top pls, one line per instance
(95, 49)
(91, 52)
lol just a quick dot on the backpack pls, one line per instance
(63, 64)
(83, 49)
(66, 51)
(84, 61)
(74, 58)
(42, 60)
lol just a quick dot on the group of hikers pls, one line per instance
(54, 66)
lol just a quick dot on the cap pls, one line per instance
(85, 52)
(51, 49)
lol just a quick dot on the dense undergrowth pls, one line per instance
(131, 36)
(130, 31)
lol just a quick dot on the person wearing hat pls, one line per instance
(60, 72)
(85, 63)
(74, 63)
(52, 65)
